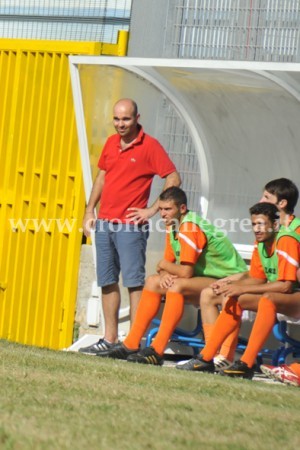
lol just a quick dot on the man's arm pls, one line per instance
(89, 218)
(254, 286)
(173, 179)
(179, 270)
(139, 215)
(167, 278)
(231, 278)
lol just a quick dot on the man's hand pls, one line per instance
(229, 290)
(216, 285)
(230, 279)
(166, 280)
(140, 215)
(89, 222)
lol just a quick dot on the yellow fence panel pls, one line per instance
(41, 191)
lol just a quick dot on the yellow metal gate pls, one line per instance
(41, 190)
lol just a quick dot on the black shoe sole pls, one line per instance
(146, 363)
(244, 376)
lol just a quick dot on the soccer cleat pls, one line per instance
(100, 347)
(287, 376)
(118, 351)
(239, 370)
(221, 363)
(146, 356)
(197, 365)
(271, 371)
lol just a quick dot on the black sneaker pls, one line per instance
(197, 365)
(146, 356)
(239, 370)
(119, 351)
(102, 346)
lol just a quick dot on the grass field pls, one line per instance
(62, 400)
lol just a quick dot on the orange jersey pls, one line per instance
(287, 249)
(192, 242)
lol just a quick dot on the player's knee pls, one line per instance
(178, 286)
(206, 297)
(152, 282)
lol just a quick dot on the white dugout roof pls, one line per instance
(229, 126)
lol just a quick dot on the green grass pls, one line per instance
(60, 400)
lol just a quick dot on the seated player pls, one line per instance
(283, 193)
(196, 254)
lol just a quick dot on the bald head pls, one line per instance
(128, 104)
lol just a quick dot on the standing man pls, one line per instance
(129, 161)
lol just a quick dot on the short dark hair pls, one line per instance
(267, 209)
(284, 189)
(135, 107)
(174, 193)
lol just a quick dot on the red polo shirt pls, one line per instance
(129, 174)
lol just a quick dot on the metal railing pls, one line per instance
(255, 30)
(72, 20)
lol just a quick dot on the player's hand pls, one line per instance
(166, 280)
(218, 284)
(229, 290)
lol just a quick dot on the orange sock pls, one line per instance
(207, 330)
(229, 345)
(263, 324)
(229, 319)
(147, 309)
(172, 314)
(295, 367)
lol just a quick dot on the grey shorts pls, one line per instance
(120, 248)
